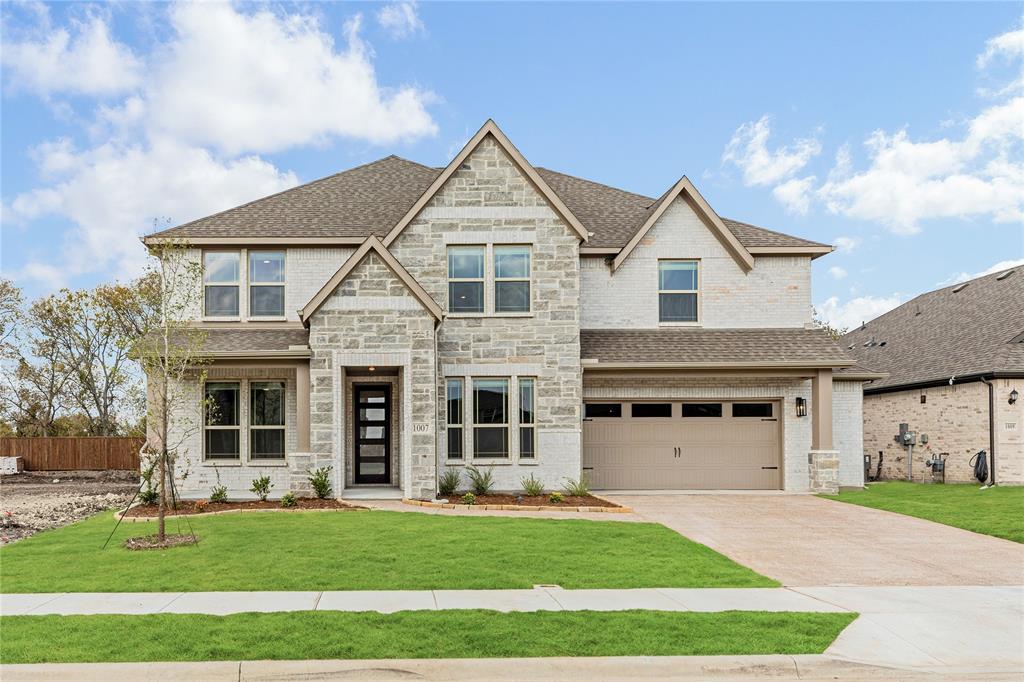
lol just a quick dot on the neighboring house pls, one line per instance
(955, 359)
(395, 320)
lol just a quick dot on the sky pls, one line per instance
(894, 131)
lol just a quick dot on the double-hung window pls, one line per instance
(490, 418)
(678, 291)
(266, 420)
(454, 421)
(266, 284)
(220, 283)
(465, 279)
(527, 428)
(511, 279)
(221, 425)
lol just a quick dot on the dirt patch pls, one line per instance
(534, 500)
(153, 542)
(188, 508)
(38, 500)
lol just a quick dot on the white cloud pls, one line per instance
(85, 60)
(837, 272)
(861, 309)
(1009, 44)
(400, 19)
(991, 270)
(846, 244)
(795, 194)
(748, 150)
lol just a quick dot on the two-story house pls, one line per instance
(395, 320)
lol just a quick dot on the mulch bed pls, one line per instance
(534, 500)
(187, 508)
(151, 542)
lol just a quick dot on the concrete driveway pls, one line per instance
(802, 540)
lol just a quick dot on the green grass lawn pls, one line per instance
(367, 551)
(996, 511)
(412, 634)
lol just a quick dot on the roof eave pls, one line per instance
(590, 363)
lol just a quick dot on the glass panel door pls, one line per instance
(372, 433)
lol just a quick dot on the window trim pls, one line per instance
(506, 425)
(237, 284)
(696, 292)
(521, 425)
(283, 284)
(282, 427)
(449, 425)
(237, 427)
(495, 279)
(482, 280)
(489, 281)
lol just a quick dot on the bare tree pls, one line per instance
(821, 323)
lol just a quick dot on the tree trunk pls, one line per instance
(161, 527)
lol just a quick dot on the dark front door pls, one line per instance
(373, 433)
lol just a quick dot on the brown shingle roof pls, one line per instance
(253, 340)
(682, 346)
(372, 198)
(976, 330)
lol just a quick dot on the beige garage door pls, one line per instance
(707, 445)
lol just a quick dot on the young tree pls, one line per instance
(835, 332)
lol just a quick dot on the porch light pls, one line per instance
(801, 407)
(1013, 396)
(373, 369)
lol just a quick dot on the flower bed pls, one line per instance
(504, 502)
(194, 507)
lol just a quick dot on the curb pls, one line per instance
(514, 507)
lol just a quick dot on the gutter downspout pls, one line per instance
(991, 430)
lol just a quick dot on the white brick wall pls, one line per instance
(848, 431)
(776, 293)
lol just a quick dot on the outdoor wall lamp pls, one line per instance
(1013, 396)
(801, 407)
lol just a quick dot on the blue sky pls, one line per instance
(891, 130)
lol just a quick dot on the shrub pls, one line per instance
(288, 500)
(468, 498)
(320, 480)
(576, 488)
(200, 506)
(261, 486)
(481, 482)
(556, 498)
(532, 486)
(148, 494)
(219, 493)
(449, 482)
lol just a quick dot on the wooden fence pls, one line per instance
(74, 454)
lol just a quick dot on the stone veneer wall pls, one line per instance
(372, 319)
(489, 201)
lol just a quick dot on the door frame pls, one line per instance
(357, 388)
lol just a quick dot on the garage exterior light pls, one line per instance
(801, 407)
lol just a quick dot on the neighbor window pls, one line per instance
(511, 279)
(527, 416)
(220, 281)
(466, 279)
(454, 399)
(221, 429)
(677, 291)
(266, 420)
(266, 284)
(490, 418)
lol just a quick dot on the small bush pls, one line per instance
(468, 498)
(320, 480)
(449, 482)
(148, 494)
(481, 482)
(219, 493)
(288, 500)
(556, 498)
(200, 506)
(576, 488)
(261, 487)
(532, 486)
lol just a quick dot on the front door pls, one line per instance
(373, 433)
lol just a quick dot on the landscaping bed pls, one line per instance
(510, 502)
(192, 507)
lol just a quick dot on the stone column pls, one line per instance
(823, 469)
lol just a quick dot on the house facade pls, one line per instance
(954, 360)
(397, 320)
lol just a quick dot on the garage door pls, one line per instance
(707, 445)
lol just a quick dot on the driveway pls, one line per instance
(802, 540)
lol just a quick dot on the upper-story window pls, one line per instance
(220, 281)
(489, 279)
(511, 279)
(266, 284)
(466, 279)
(678, 291)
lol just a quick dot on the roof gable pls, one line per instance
(490, 128)
(374, 245)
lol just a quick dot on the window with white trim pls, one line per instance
(466, 279)
(490, 418)
(266, 283)
(678, 291)
(266, 420)
(511, 279)
(527, 417)
(221, 430)
(220, 283)
(453, 392)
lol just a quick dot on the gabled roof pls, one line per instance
(371, 244)
(963, 330)
(490, 128)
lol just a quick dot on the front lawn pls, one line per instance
(367, 551)
(995, 511)
(413, 634)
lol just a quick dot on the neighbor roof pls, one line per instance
(683, 347)
(959, 330)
